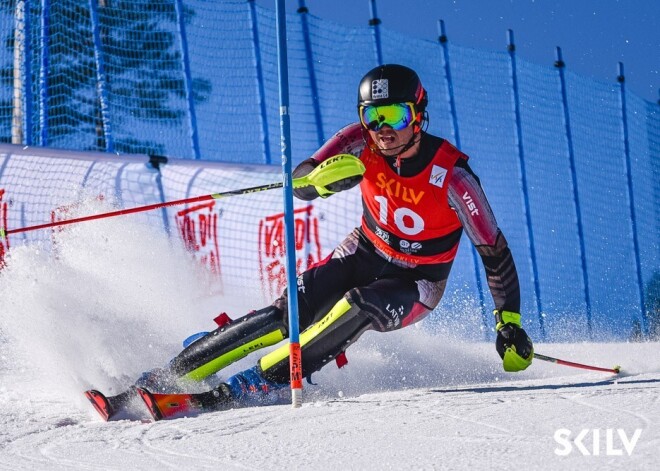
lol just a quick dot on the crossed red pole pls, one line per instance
(5, 232)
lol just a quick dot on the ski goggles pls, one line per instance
(398, 116)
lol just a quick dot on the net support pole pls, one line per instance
(486, 318)
(20, 33)
(43, 73)
(631, 197)
(309, 57)
(523, 180)
(187, 79)
(374, 22)
(295, 359)
(263, 113)
(101, 86)
(26, 74)
(560, 65)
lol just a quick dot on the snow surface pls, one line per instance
(117, 298)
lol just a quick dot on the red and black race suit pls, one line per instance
(408, 218)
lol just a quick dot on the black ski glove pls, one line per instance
(344, 184)
(513, 344)
(306, 193)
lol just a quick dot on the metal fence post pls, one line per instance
(560, 65)
(260, 83)
(631, 195)
(374, 22)
(43, 74)
(442, 38)
(101, 86)
(309, 56)
(187, 79)
(523, 177)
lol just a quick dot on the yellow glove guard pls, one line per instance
(513, 362)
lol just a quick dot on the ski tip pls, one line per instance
(100, 403)
(151, 403)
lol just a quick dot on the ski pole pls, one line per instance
(329, 171)
(615, 370)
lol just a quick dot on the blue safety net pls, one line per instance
(570, 165)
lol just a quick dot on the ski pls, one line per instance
(167, 406)
(164, 406)
(109, 407)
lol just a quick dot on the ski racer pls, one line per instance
(419, 194)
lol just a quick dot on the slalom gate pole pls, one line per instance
(616, 370)
(295, 356)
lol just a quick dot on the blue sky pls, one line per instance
(594, 34)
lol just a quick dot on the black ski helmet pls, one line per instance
(392, 83)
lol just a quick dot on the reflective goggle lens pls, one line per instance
(398, 116)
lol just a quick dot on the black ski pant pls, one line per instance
(354, 290)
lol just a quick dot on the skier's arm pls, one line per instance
(468, 199)
(348, 140)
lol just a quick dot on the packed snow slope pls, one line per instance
(105, 307)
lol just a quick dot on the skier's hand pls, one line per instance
(513, 344)
(308, 193)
